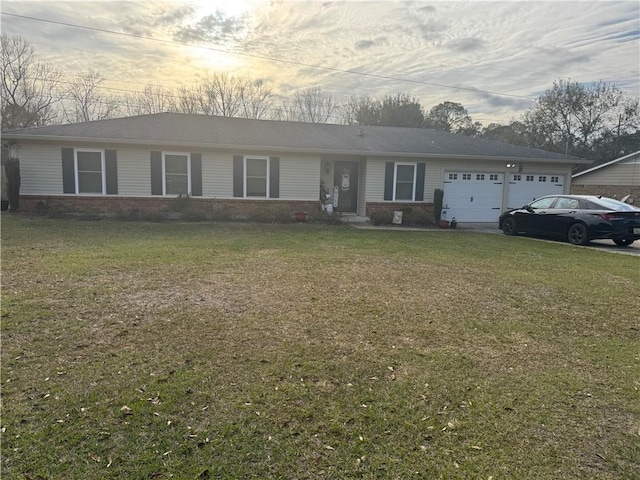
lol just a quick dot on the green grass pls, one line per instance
(146, 351)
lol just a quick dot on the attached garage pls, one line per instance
(473, 196)
(479, 196)
(525, 188)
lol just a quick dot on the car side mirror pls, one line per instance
(528, 208)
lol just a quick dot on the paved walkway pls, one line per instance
(363, 223)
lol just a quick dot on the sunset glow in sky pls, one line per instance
(493, 57)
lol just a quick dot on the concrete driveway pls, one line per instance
(603, 245)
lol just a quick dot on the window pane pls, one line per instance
(175, 164)
(89, 161)
(89, 182)
(256, 187)
(176, 184)
(256, 168)
(404, 191)
(404, 173)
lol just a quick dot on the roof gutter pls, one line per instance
(262, 148)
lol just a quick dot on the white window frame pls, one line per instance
(244, 175)
(103, 171)
(164, 172)
(395, 178)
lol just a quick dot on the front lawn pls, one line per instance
(176, 350)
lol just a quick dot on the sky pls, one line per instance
(495, 58)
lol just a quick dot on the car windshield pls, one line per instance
(542, 203)
(611, 204)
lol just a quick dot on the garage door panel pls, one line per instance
(525, 188)
(472, 197)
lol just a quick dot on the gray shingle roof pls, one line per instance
(203, 131)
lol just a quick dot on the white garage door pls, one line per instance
(525, 188)
(472, 197)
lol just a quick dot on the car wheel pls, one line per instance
(509, 226)
(577, 234)
(623, 242)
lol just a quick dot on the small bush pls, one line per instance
(152, 217)
(181, 203)
(274, 215)
(219, 213)
(381, 217)
(324, 217)
(128, 215)
(416, 216)
(193, 216)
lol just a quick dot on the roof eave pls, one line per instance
(261, 148)
(603, 165)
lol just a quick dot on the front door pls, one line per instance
(345, 183)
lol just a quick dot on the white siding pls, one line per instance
(374, 187)
(217, 174)
(134, 172)
(40, 169)
(300, 177)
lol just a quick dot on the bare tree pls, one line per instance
(153, 99)
(314, 105)
(29, 89)
(580, 119)
(286, 112)
(257, 100)
(221, 94)
(352, 109)
(186, 101)
(86, 103)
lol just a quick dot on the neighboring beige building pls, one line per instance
(616, 179)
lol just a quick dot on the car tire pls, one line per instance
(578, 234)
(623, 242)
(509, 226)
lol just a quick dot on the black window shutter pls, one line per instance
(274, 177)
(111, 167)
(238, 176)
(68, 171)
(156, 173)
(420, 182)
(196, 174)
(388, 180)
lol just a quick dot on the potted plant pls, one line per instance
(300, 216)
(438, 197)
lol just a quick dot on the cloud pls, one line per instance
(212, 28)
(367, 44)
(153, 17)
(466, 44)
(428, 49)
(500, 101)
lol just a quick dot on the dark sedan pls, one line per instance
(575, 218)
